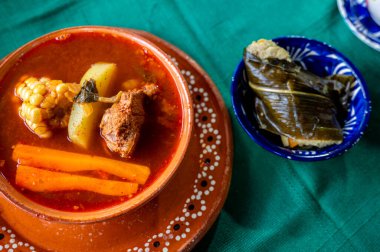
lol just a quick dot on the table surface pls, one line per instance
(273, 203)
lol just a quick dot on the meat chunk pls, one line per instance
(121, 124)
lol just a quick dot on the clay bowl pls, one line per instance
(46, 213)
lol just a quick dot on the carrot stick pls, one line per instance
(39, 180)
(74, 162)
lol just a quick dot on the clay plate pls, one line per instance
(178, 217)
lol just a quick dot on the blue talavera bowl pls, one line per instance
(355, 14)
(320, 59)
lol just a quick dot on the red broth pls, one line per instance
(68, 60)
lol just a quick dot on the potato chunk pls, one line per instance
(85, 118)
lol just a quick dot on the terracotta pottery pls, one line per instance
(178, 217)
(149, 192)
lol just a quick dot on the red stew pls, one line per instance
(68, 60)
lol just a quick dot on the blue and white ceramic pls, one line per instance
(323, 60)
(374, 10)
(357, 17)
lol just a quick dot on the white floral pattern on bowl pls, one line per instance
(359, 20)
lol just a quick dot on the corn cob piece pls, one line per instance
(46, 104)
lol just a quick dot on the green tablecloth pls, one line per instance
(273, 204)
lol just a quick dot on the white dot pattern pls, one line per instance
(205, 119)
(13, 243)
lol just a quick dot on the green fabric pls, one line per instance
(273, 204)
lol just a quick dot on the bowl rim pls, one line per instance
(358, 29)
(50, 214)
(284, 152)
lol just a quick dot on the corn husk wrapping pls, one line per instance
(295, 103)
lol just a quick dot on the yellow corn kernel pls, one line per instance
(42, 130)
(70, 96)
(23, 105)
(33, 85)
(18, 91)
(61, 88)
(47, 113)
(30, 80)
(48, 102)
(44, 79)
(32, 126)
(19, 88)
(35, 115)
(26, 108)
(74, 88)
(25, 93)
(40, 89)
(36, 99)
(29, 108)
(21, 112)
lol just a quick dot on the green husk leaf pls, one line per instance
(295, 103)
(89, 93)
